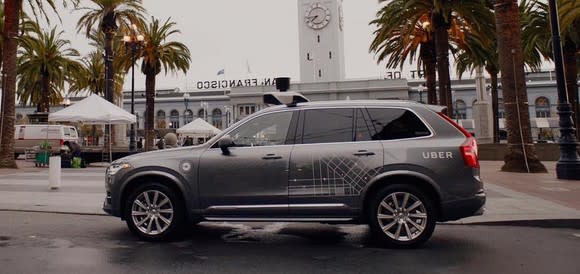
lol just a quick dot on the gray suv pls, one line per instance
(398, 166)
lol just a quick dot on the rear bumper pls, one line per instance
(458, 209)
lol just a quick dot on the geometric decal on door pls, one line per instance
(335, 176)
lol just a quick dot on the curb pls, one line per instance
(542, 223)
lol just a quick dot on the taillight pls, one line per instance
(469, 148)
(61, 142)
(469, 152)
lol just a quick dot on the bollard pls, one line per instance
(54, 172)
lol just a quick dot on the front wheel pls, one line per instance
(154, 212)
(402, 216)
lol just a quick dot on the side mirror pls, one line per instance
(225, 143)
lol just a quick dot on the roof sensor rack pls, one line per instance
(288, 98)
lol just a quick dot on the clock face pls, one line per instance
(317, 16)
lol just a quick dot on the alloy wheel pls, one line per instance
(402, 216)
(152, 212)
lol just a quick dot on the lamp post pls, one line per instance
(186, 103)
(133, 41)
(228, 110)
(204, 106)
(568, 166)
(420, 89)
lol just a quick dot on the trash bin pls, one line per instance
(42, 158)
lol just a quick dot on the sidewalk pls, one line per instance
(511, 197)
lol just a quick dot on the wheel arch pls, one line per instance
(158, 176)
(419, 180)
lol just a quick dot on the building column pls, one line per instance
(482, 110)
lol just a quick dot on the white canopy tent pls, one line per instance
(198, 128)
(93, 110)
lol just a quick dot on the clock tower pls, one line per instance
(321, 40)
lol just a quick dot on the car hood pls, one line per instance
(162, 154)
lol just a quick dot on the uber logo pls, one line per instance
(437, 155)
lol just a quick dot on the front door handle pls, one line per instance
(271, 156)
(363, 153)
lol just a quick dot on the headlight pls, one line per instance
(115, 167)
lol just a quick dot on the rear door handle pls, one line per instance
(272, 157)
(363, 153)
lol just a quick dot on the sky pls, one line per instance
(235, 34)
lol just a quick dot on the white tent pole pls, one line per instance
(110, 150)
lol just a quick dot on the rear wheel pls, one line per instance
(154, 211)
(402, 216)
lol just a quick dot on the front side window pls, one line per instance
(328, 125)
(266, 130)
(393, 123)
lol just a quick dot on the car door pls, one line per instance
(332, 161)
(253, 179)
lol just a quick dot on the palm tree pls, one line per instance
(475, 53)
(397, 39)
(12, 12)
(521, 155)
(442, 15)
(159, 53)
(540, 33)
(44, 64)
(109, 14)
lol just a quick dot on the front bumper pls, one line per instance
(454, 210)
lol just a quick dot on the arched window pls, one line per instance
(202, 114)
(216, 118)
(160, 115)
(542, 107)
(460, 109)
(160, 119)
(174, 119)
(500, 108)
(187, 116)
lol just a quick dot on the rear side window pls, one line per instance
(393, 123)
(328, 125)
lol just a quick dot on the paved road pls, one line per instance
(64, 243)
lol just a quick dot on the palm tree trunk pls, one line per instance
(430, 65)
(149, 110)
(521, 155)
(11, 14)
(442, 49)
(45, 92)
(570, 69)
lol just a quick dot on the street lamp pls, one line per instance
(420, 89)
(204, 106)
(133, 41)
(568, 166)
(186, 103)
(228, 110)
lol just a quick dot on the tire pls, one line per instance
(407, 224)
(155, 212)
